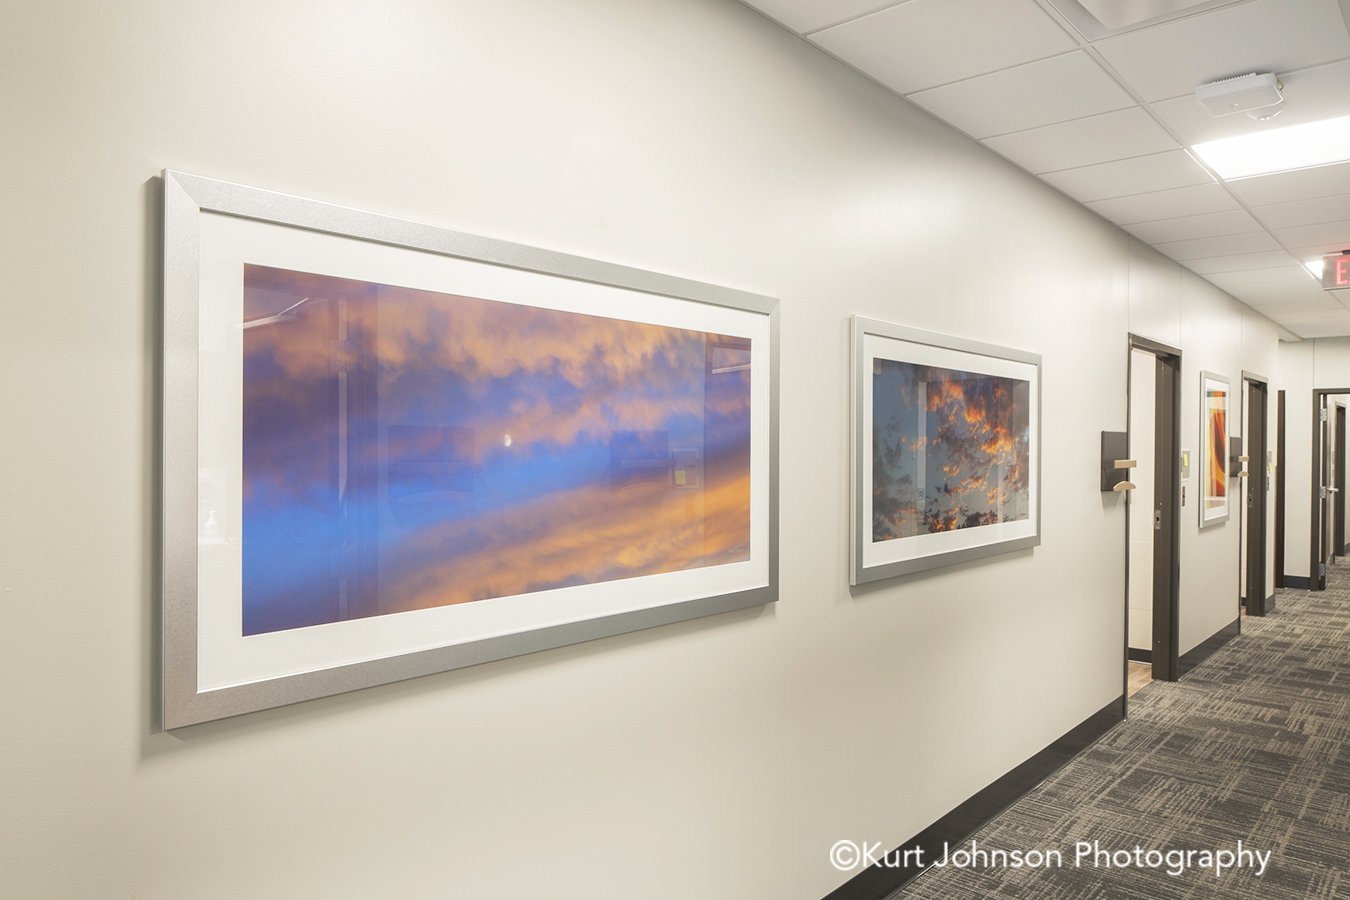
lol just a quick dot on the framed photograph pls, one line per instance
(391, 449)
(1214, 396)
(946, 450)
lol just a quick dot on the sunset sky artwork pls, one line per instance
(405, 449)
(1216, 448)
(950, 449)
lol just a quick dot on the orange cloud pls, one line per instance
(584, 536)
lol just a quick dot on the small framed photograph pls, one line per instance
(391, 449)
(1214, 396)
(946, 454)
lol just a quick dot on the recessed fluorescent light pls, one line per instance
(1315, 267)
(1278, 150)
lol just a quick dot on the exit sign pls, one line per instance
(1336, 272)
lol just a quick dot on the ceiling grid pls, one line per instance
(1104, 111)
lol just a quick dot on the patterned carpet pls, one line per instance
(1253, 745)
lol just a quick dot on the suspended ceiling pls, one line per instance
(1096, 97)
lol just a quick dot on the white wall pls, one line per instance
(1303, 366)
(714, 759)
(1297, 381)
(1143, 450)
(1217, 334)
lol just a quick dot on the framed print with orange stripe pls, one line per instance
(1215, 395)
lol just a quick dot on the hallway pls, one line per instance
(1253, 745)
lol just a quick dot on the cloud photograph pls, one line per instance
(950, 449)
(406, 449)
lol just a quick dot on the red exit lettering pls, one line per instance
(1343, 271)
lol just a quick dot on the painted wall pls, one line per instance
(714, 759)
(1296, 380)
(1142, 435)
(1218, 334)
(1303, 366)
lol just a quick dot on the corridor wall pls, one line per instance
(1303, 366)
(1215, 333)
(719, 758)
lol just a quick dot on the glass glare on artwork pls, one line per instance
(950, 450)
(405, 449)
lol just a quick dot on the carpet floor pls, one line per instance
(1253, 745)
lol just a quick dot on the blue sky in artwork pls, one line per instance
(406, 449)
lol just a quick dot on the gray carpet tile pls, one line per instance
(1251, 746)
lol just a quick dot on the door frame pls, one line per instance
(1256, 514)
(1318, 543)
(1166, 566)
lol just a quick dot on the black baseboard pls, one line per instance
(1297, 583)
(1136, 655)
(1202, 651)
(879, 881)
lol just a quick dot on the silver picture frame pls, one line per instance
(187, 200)
(871, 560)
(1211, 512)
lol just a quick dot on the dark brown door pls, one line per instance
(1257, 485)
(1338, 487)
(1166, 513)
(1279, 489)
(1318, 576)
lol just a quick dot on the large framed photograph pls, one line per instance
(1215, 391)
(946, 455)
(391, 449)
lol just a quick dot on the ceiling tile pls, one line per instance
(1185, 201)
(1295, 298)
(1334, 236)
(1303, 184)
(1199, 248)
(1315, 252)
(1299, 318)
(1139, 174)
(808, 15)
(1280, 274)
(924, 43)
(1038, 93)
(1082, 142)
(1304, 212)
(1184, 228)
(1310, 95)
(1329, 326)
(1238, 262)
(1117, 16)
(1175, 58)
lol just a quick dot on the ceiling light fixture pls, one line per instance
(1258, 95)
(1279, 150)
